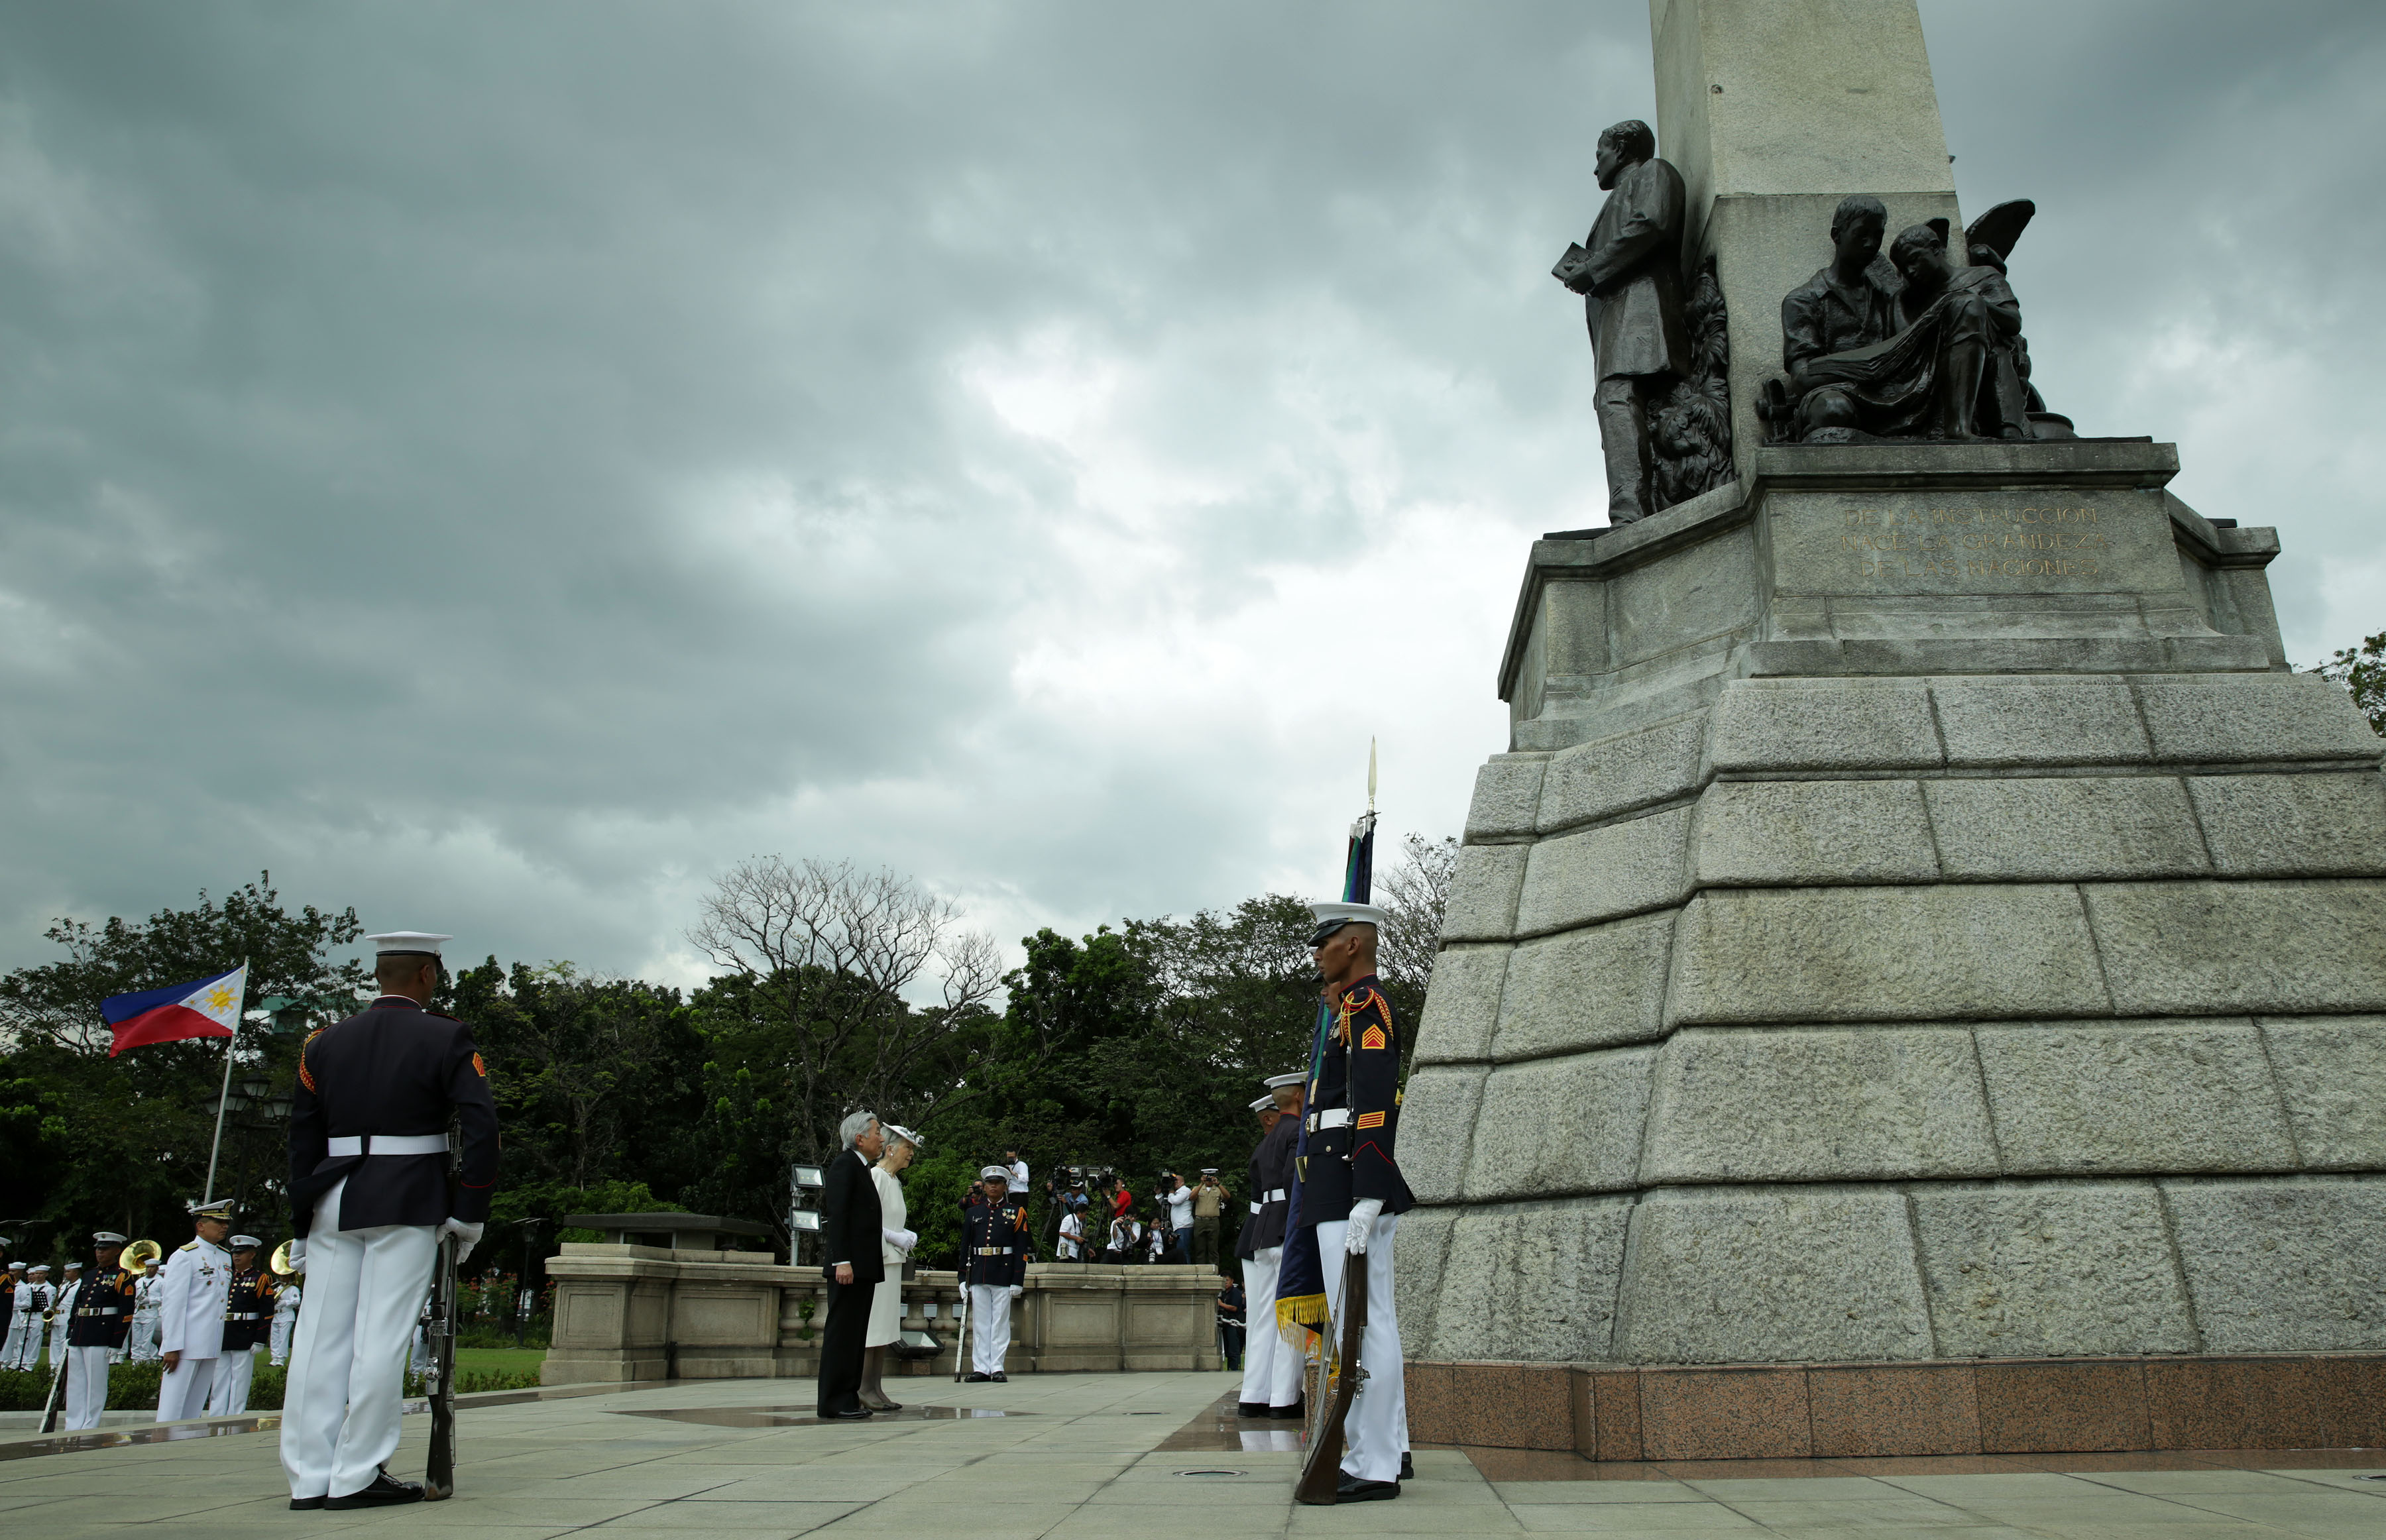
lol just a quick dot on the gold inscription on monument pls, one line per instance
(1960, 543)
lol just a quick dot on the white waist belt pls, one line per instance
(388, 1144)
(1277, 1195)
(1333, 1117)
(1255, 1208)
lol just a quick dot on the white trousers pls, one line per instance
(990, 1326)
(1271, 1366)
(1377, 1432)
(24, 1335)
(341, 1402)
(86, 1387)
(281, 1329)
(183, 1391)
(143, 1338)
(234, 1369)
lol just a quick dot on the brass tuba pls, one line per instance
(139, 1255)
(280, 1261)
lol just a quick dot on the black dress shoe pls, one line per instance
(1408, 1467)
(999, 1379)
(1292, 1413)
(387, 1490)
(1250, 1408)
(1353, 1490)
(856, 1414)
(298, 1503)
(975, 1378)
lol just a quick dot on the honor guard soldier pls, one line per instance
(191, 1312)
(1352, 1190)
(995, 1248)
(103, 1315)
(371, 1196)
(62, 1312)
(249, 1313)
(1271, 1368)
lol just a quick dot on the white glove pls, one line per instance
(1362, 1219)
(298, 1255)
(469, 1233)
(901, 1240)
(1018, 1291)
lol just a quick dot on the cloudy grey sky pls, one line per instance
(498, 463)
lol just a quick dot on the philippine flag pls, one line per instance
(208, 1009)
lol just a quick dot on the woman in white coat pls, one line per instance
(895, 1243)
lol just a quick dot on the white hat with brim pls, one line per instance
(1277, 1082)
(1261, 1104)
(994, 1172)
(407, 944)
(1332, 917)
(107, 1237)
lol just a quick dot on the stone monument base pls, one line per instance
(1918, 920)
(1943, 1407)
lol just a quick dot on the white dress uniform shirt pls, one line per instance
(190, 1304)
(190, 1321)
(64, 1313)
(24, 1346)
(142, 1341)
(285, 1320)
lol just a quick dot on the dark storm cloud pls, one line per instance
(497, 465)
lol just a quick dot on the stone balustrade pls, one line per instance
(638, 1312)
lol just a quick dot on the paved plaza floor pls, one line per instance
(1139, 1457)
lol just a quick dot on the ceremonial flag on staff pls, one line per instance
(208, 1009)
(1300, 1286)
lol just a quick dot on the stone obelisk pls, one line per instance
(1912, 983)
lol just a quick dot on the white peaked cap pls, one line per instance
(1332, 917)
(107, 1237)
(1277, 1081)
(248, 1241)
(407, 944)
(1261, 1104)
(1002, 1172)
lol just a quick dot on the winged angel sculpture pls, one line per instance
(1915, 347)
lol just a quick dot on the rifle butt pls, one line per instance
(1321, 1476)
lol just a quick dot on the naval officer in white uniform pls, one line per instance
(191, 1312)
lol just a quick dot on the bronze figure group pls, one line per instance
(1911, 344)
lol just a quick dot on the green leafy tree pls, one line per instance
(124, 1140)
(594, 1078)
(2362, 671)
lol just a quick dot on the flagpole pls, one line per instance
(223, 1098)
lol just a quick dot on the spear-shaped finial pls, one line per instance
(1371, 775)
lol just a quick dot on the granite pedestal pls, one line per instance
(1920, 921)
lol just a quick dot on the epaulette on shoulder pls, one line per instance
(192, 1245)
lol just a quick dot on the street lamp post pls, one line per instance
(523, 1296)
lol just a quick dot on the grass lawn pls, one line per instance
(492, 1360)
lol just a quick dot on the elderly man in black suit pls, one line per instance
(849, 1250)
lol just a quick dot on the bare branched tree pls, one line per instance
(832, 953)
